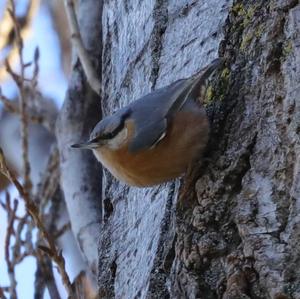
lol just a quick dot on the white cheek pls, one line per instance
(118, 140)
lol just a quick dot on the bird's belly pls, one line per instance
(169, 159)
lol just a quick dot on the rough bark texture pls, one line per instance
(237, 236)
(147, 44)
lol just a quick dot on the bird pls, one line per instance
(157, 137)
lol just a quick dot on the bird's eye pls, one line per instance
(96, 138)
(109, 135)
(114, 127)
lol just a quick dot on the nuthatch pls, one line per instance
(155, 138)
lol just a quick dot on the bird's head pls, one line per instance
(110, 132)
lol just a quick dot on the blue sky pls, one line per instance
(52, 81)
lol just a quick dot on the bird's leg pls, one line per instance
(191, 176)
(188, 185)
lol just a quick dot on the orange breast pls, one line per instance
(184, 142)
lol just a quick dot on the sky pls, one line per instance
(52, 83)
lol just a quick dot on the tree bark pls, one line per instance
(80, 173)
(235, 233)
(147, 45)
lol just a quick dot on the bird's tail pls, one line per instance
(193, 86)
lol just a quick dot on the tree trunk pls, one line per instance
(80, 173)
(235, 232)
(147, 44)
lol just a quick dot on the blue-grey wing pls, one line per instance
(147, 137)
(152, 112)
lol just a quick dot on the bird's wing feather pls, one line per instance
(160, 105)
(192, 87)
(148, 136)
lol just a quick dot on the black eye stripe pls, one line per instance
(111, 135)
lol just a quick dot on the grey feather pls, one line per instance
(146, 135)
(152, 112)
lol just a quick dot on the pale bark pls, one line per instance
(80, 174)
(237, 238)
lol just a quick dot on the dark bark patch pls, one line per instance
(160, 16)
(108, 208)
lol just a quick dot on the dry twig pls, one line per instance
(49, 184)
(45, 277)
(12, 107)
(79, 46)
(25, 190)
(14, 251)
(62, 230)
(11, 214)
(8, 104)
(2, 290)
(7, 32)
(33, 210)
(19, 80)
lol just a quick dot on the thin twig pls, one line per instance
(50, 181)
(7, 37)
(50, 221)
(11, 214)
(34, 79)
(62, 230)
(39, 282)
(12, 107)
(14, 254)
(34, 212)
(24, 222)
(36, 57)
(8, 104)
(47, 277)
(79, 46)
(25, 190)
(2, 290)
(22, 104)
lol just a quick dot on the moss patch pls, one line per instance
(209, 95)
(287, 48)
(246, 40)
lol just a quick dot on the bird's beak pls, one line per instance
(86, 145)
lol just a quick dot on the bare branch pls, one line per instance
(22, 105)
(12, 107)
(50, 181)
(44, 276)
(61, 27)
(7, 36)
(16, 253)
(8, 104)
(11, 215)
(79, 46)
(39, 282)
(2, 290)
(62, 230)
(34, 212)
(36, 68)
